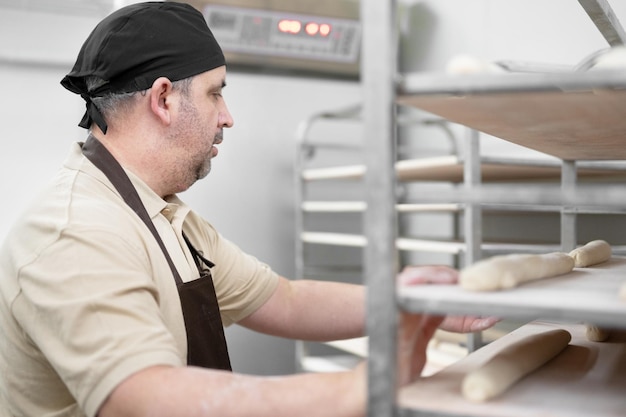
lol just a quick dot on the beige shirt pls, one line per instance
(87, 297)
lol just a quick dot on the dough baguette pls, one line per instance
(508, 271)
(594, 252)
(594, 333)
(512, 363)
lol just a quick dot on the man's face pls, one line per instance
(199, 126)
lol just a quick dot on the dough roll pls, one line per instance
(508, 271)
(594, 252)
(594, 333)
(512, 363)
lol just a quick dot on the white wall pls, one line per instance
(38, 116)
(555, 31)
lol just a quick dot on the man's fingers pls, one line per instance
(415, 332)
(414, 275)
(483, 323)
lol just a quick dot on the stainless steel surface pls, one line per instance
(473, 216)
(379, 60)
(444, 84)
(568, 216)
(584, 197)
(608, 24)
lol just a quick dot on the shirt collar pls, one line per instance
(153, 203)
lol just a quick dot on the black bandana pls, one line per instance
(137, 44)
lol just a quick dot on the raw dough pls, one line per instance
(512, 363)
(594, 252)
(466, 64)
(596, 334)
(508, 271)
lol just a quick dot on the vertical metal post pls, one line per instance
(473, 212)
(568, 214)
(378, 71)
(301, 350)
(606, 21)
(473, 219)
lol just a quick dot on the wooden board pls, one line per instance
(586, 379)
(573, 116)
(571, 126)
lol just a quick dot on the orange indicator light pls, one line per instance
(289, 26)
(312, 28)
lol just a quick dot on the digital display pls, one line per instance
(274, 33)
(295, 27)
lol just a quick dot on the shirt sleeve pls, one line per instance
(242, 282)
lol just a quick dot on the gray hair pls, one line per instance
(112, 104)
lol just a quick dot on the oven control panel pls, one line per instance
(282, 34)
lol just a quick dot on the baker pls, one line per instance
(114, 293)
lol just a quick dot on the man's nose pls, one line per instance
(225, 119)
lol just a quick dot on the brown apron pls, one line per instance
(206, 343)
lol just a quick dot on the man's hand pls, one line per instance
(467, 324)
(415, 275)
(414, 333)
(416, 330)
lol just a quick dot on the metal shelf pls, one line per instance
(572, 116)
(449, 168)
(586, 294)
(426, 245)
(361, 206)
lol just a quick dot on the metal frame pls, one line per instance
(473, 215)
(378, 76)
(304, 151)
(568, 213)
(378, 72)
(602, 15)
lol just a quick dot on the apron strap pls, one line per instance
(102, 158)
(206, 343)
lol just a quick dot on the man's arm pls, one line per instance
(311, 310)
(163, 391)
(322, 310)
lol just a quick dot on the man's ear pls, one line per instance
(161, 99)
